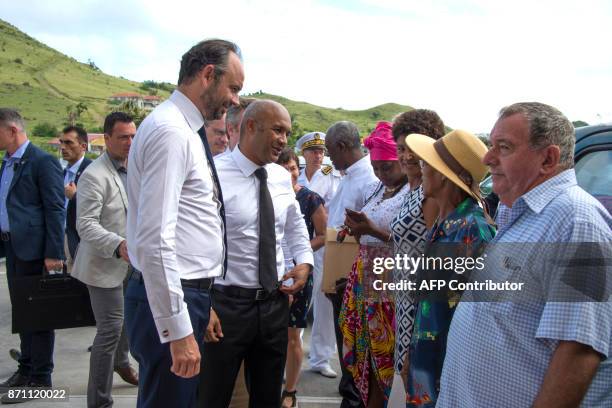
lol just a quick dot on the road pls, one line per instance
(72, 367)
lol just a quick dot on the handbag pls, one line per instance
(49, 302)
(338, 261)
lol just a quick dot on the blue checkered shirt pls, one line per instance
(498, 353)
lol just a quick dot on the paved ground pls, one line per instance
(72, 365)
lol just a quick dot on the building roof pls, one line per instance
(151, 98)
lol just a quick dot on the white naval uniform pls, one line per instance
(323, 335)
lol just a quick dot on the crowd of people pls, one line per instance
(202, 246)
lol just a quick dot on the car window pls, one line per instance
(594, 174)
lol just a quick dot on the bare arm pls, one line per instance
(319, 220)
(569, 375)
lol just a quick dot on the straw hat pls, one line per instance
(458, 155)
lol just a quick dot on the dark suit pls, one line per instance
(71, 232)
(35, 208)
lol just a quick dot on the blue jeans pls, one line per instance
(158, 387)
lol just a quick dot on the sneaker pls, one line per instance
(5, 399)
(15, 380)
(325, 371)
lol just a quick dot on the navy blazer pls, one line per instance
(71, 232)
(35, 207)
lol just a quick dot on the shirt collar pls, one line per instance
(358, 165)
(117, 164)
(18, 153)
(191, 113)
(75, 167)
(538, 197)
(244, 164)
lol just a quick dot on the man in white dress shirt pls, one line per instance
(323, 181)
(250, 316)
(176, 232)
(344, 146)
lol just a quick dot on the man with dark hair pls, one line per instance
(31, 233)
(176, 232)
(234, 119)
(101, 261)
(73, 145)
(216, 134)
(251, 312)
(344, 146)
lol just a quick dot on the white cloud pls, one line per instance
(464, 59)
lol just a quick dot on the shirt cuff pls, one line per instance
(174, 327)
(306, 258)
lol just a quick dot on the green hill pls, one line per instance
(43, 83)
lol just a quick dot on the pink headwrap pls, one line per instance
(380, 143)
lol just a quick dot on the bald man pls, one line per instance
(250, 316)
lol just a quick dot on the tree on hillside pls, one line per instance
(74, 112)
(133, 109)
(579, 123)
(44, 129)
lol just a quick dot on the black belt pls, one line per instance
(5, 236)
(246, 293)
(201, 284)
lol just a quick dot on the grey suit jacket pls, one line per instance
(101, 219)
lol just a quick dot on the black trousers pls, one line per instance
(347, 388)
(36, 361)
(253, 331)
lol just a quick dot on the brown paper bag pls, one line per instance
(339, 259)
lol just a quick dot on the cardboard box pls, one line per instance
(339, 259)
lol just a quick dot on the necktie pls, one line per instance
(217, 190)
(268, 276)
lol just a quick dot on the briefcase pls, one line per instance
(339, 259)
(48, 302)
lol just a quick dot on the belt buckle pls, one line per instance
(4, 236)
(261, 294)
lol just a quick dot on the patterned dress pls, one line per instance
(409, 233)
(309, 202)
(367, 317)
(464, 233)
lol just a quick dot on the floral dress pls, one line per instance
(464, 233)
(409, 234)
(367, 316)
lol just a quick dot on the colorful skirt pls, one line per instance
(367, 322)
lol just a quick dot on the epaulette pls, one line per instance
(326, 170)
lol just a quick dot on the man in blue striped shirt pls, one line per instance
(541, 351)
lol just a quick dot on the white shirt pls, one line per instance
(323, 185)
(70, 176)
(241, 198)
(174, 230)
(350, 193)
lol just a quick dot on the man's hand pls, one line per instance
(213, 331)
(185, 357)
(123, 252)
(300, 276)
(53, 264)
(70, 190)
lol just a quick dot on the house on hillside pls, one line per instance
(150, 101)
(122, 97)
(146, 102)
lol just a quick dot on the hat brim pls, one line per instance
(423, 146)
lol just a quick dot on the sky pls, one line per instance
(465, 59)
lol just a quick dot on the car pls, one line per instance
(593, 163)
